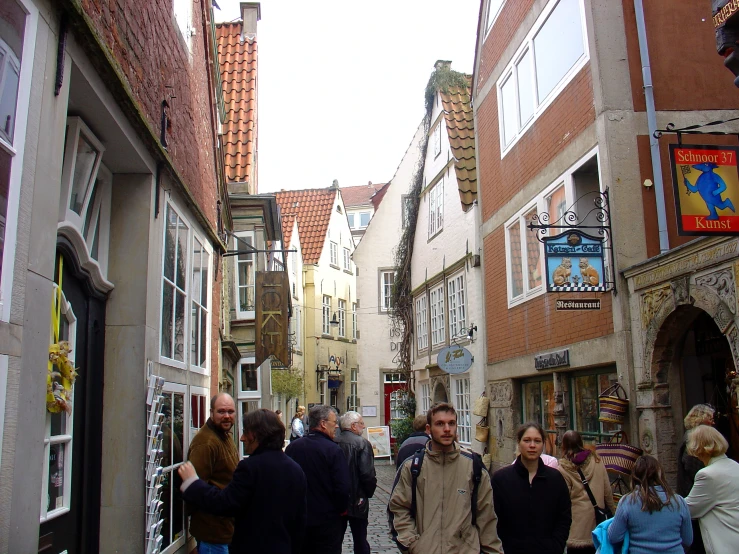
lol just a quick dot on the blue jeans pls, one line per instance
(211, 548)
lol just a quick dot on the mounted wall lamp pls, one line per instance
(471, 331)
(334, 322)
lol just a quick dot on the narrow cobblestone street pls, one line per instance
(378, 533)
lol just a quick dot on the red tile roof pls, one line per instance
(361, 195)
(312, 208)
(238, 64)
(460, 128)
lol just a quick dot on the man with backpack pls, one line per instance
(442, 500)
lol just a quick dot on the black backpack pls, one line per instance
(416, 463)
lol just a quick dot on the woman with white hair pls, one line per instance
(714, 498)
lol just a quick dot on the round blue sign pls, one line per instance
(454, 359)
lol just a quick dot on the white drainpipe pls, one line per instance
(664, 243)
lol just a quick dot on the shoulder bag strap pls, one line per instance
(587, 487)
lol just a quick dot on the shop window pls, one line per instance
(342, 318)
(436, 208)
(550, 56)
(538, 405)
(245, 276)
(457, 311)
(58, 439)
(586, 406)
(326, 315)
(173, 448)
(436, 303)
(462, 406)
(422, 335)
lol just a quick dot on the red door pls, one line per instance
(394, 394)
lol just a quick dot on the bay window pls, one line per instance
(245, 275)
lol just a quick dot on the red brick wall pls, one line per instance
(533, 326)
(145, 41)
(565, 118)
(509, 20)
(687, 73)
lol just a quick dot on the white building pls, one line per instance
(361, 203)
(374, 256)
(446, 277)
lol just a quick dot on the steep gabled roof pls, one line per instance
(238, 64)
(312, 208)
(461, 131)
(361, 195)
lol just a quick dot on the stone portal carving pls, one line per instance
(723, 284)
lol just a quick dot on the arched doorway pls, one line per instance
(440, 394)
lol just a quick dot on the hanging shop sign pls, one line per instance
(454, 359)
(706, 185)
(272, 293)
(560, 358)
(574, 262)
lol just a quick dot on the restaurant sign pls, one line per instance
(574, 262)
(454, 359)
(272, 292)
(706, 184)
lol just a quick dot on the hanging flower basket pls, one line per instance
(60, 379)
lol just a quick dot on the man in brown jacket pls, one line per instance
(213, 454)
(444, 490)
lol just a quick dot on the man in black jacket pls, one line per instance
(415, 441)
(327, 472)
(362, 478)
(267, 494)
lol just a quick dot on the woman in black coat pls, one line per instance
(267, 494)
(531, 499)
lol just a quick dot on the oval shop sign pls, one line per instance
(454, 359)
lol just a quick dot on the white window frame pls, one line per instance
(334, 249)
(352, 400)
(436, 208)
(367, 213)
(67, 438)
(422, 336)
(199, 392)
(540, 104)
(436, 308)
(461, 387)
(298, 327)
(457, 305)
(183, 15)
(342, 318)
(347, 259)
(351, 217)
(207, 255)
(326, 314)
(387, 280)
(241, 394)
(16, 151)
(493, 9)
(436, 138)
(249, 237)
(176, 388)
(540, 203)
(425, 397)
(354, 320)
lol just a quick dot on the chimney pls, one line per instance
(440, 64)
(335, 184)
(251, 12)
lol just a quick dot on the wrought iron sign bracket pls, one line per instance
(595, 225)
(694, 130)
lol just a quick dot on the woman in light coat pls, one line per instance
(575, 457)
(714, 498)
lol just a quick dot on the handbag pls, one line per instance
(480, 408)
(482, 431)
(617, 455)
(601, 514)
(613, 408)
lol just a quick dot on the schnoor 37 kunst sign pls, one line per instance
(706, 183)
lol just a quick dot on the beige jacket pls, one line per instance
(443, 523)
(583, 515)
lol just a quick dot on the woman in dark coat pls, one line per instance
(531, 499)
(267, 495)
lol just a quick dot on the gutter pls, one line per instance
(664, 243)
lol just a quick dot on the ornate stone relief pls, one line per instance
(656, 305)
(652, 303)
(706, 299)
(501, 393)
(681, 291)
(732, 336)
(723, 283)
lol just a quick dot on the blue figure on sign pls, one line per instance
(710, 186)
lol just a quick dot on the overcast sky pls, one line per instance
(341, 83)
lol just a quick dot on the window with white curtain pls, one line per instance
(462, 405)
(436, 304)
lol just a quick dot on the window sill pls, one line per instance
(335, 266)
(344, 339)
(432, 237)
(328, 337)
(512, 303)
(348, 272)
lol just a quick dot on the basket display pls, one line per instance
(482, 431)
(480, 408)
(613, 408)
(617, 455)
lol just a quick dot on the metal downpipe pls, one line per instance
(664, 243)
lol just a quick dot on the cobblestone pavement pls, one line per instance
(378, 533)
